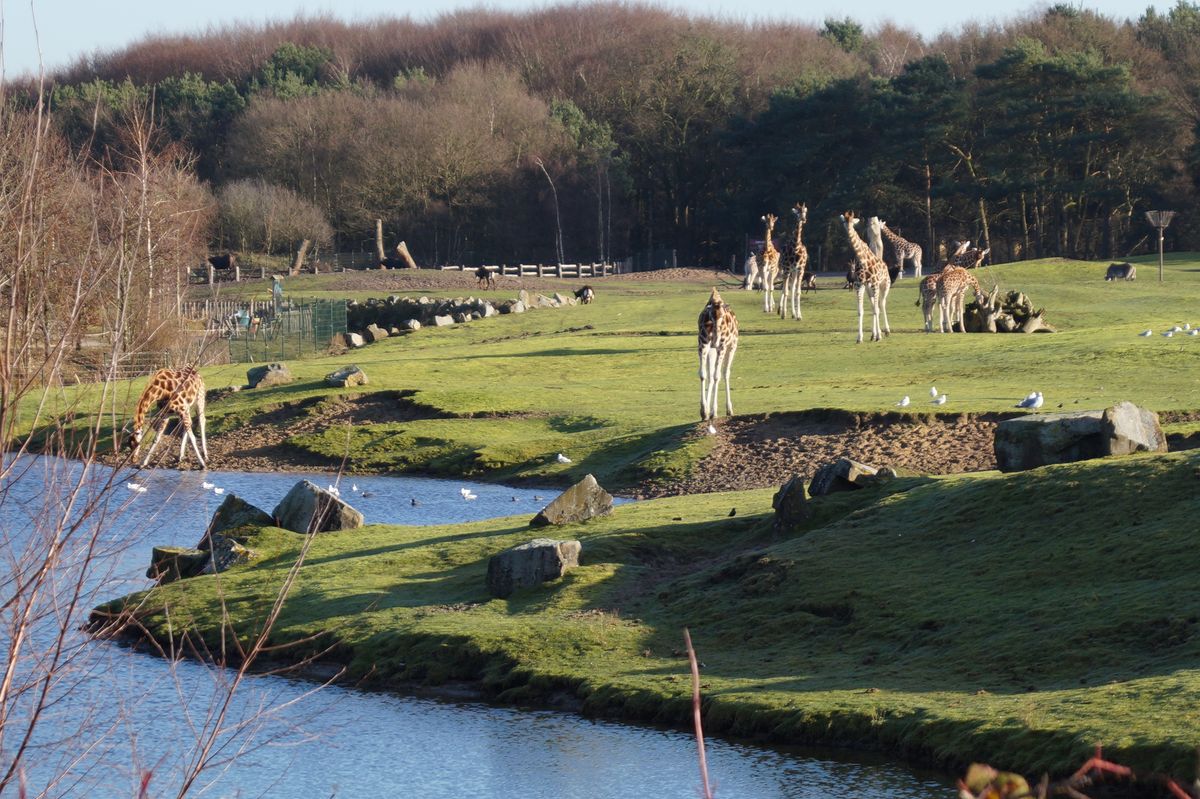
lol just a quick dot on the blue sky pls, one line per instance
(70, 28)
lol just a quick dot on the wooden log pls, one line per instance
(380, 257)
(402, 251)
(298, 262)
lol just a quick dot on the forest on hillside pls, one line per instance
(612, 130)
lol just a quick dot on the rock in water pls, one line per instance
(1037, 440)
(235, 512)
(791, 505)
(271, 374)
(578, 503)
(842, 475)
(307, 508)
(168, 564)
(347, 376)
(528, 565)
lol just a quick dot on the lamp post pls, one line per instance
(1160, 220)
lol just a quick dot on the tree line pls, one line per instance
(604, 130)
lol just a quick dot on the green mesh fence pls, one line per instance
(293, 330)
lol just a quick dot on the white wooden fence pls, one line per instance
(544, 270)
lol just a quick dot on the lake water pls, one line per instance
(121, 714)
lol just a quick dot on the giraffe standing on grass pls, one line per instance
(952, 293)
(869, 275)
(769, 267)
(175, 392)
(905, 250)
(929, 291)
(793, 262)
(717, 342)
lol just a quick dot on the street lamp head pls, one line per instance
(1160, 219)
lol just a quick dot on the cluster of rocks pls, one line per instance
(306, 508)
(277, 374)
(544, 559)
(1025, 442)
(1012, 313)
(376, 319)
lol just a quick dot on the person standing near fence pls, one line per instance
(277, 293)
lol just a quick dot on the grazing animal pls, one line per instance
(793, 262)
(870, 277)
(951, 295)
(751, 269)
(717, 343)
(485, 277)
(1125, 271)
(769, 267)
(175, 392)
(226, 261)
(905, 250)
(585, 295)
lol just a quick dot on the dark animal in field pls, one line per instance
(585, 295)
(226, 261)
(1125, 271)
(485, 277)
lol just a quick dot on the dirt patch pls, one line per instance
(766, 450)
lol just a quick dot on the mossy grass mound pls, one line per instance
(1019, 619)
(614, 384)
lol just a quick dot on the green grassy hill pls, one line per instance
(1019, 619)
(614, 384)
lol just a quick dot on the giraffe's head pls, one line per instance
(849, 220)
(981, 255)
(770, 219)
(134, 442)
(800, 210)
(960, 247)
(714, 299)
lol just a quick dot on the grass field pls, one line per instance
(1019, 619)
(614, 384)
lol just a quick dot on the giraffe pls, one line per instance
(905, 250)
(869, 274)
(792, 263)
(929, 291)
(951, 293)
(769, 267)
(967, 257)
(717, 342)
(174, 391)
(751, 270)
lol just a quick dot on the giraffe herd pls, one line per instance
(869, 277)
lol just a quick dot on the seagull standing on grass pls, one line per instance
(1146, 333)
(1033, 401)
(933, 392)
(903, 403)
(561, 458)
(940, 400)
(1168, 334)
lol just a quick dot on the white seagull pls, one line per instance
(207, 486)
(1034, 400)
(469, 496)
(354, 487)
(712, 431)
(933, 392)
(141, 489)
(1146, 333)
(1168, 334)
(940, 400)
(1177, 329)
(1194, 331)
(218, 491)
(561, 458)
(464, 491)
(1187, 325)
(332, 489)
(903, 403)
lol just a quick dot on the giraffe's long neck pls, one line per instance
(862, 253)
(151, 396)
(892, 237)
(798, 247)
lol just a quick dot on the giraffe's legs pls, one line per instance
(707, 356)
(188, 437)
(876, 335)
(884, 288)
(796, 295)
(159, 430)
(917, 264)
(714, 380)
(784, 293)
(860, 291)
(200, 422)
(729, 353)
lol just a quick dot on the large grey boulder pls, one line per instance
(582, 501)
(412, 324)
(1040, 439)
(168, 564)
(267, 375)
(374, 333)
(528, 565)
(235, 512)
(309, 509)
(841, 475)
(442, 320)
(353, 340)
(791, 505)
(347, 376)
